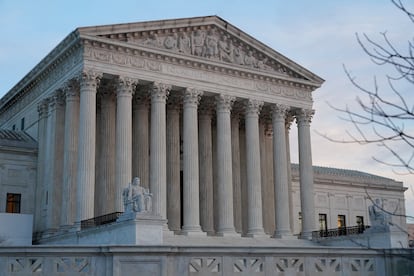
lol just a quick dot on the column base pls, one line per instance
(257, 233)
(283, 235)
(193, 232)
(305, 236)
(232, 234)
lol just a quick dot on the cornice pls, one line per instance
(62, 51)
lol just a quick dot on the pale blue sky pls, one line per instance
(319, 35)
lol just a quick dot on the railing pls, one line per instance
(341, 231)
(93, 222)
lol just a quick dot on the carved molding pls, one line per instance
(159, 91)
(224, 102)
(253, 107)
(192, 96)
(304, 116)
(279, 111)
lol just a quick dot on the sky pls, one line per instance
(319, 35)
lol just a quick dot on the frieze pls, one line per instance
(210, 43)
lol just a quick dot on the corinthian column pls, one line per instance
(105, 185)
(41, 165)
(206, 165)
(191, 207)
(254, 192)
(140, 136)
(158, 173)
(86, 149)
(54, 160)
(303, 119)
(235, 151)
(173, 163)
(280, 172)
(123, 148)
(69, 153)
(224, 167)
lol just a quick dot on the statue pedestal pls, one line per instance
(130, 229)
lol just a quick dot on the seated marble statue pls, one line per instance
(380, 219)
(136, 198)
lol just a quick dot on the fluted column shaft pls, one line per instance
(173, 165)
(288, 122)
(105, 186)
(280, 172)
(191, 207)
(158, 173)
(69, 153)
(123, 144)
(303, 119)
(224, 166)
(254, 192)
(41, 165)
(86, 149)
(235, 151)
(140, 141)
(206, 172)
(54, 163)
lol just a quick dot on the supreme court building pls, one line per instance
(197, 109)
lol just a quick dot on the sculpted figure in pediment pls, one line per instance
(170, 42)
(184, 43)
(152, 41)
(238, 57)
(224, 48)
(211, 45)
(197, 43)
(250, 60)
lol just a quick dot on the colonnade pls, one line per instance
(184, 145)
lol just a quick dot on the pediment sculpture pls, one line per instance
(212, 44)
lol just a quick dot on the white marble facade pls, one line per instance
(196, 108)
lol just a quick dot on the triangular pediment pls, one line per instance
(210, 38)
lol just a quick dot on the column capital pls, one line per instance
(56, 100)
(206, 106)
(159, 91)
(192, 96)
(141, 98)
(304, 116)
(224, 102)
(289, 120)
(125, 86)
(71, 89)
(253, 107)
(90, 79)
(279, 111)
(174, 102)
(42, 107)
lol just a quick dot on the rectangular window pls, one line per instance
(13, 203)
(323, 225)
(14, 127)
(341, 225)
(22, 124)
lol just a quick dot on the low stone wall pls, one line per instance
(226, 260)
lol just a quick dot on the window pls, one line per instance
(323, 226)
(341, 225)
(22, 124)
(13, 203)
(14, 127)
